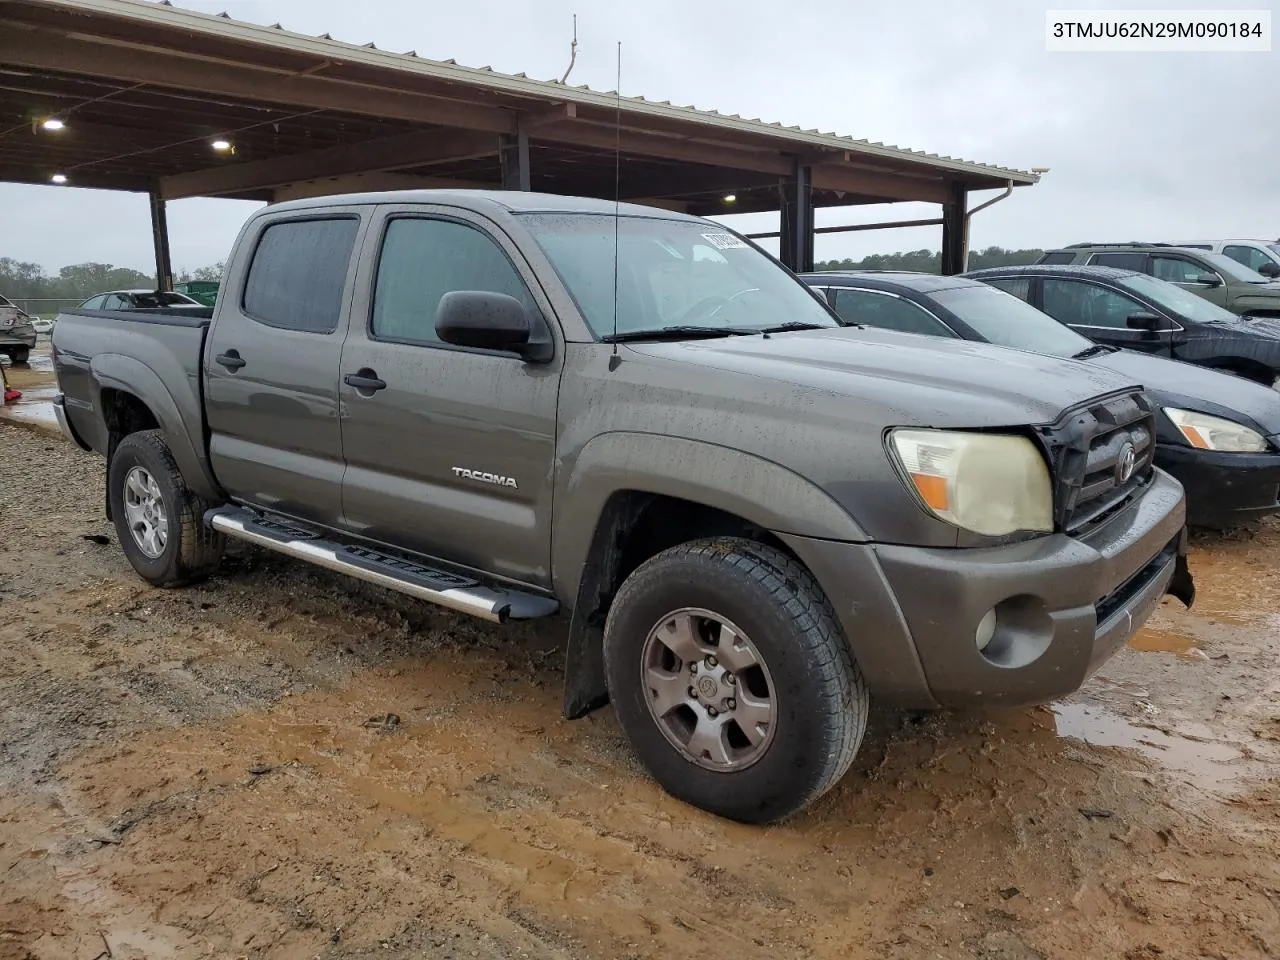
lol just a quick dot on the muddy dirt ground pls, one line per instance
(285, 764)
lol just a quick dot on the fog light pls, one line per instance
(986, 629)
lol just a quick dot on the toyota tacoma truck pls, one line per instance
(756, 519)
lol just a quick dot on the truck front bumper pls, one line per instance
(1061, 605)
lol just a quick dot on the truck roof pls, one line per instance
(514, 201)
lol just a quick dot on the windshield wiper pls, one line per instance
(796, 325)
(678, 332)
(1093, 351)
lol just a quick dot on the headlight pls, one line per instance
(1215, 433)
(988, 483)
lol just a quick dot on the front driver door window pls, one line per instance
(1187, 274)
(1099, 313)
(1251, 257)
(878, 309)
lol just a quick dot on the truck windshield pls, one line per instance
(1003, 319)
(1173, 298)
(679, 274)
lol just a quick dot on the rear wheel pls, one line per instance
(733, 680)
(159, 521)
(19, 355)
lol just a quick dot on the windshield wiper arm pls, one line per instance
(678, 332)
(1093, 351)
(796, 325)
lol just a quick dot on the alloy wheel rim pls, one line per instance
(708, 689)
(145, 512)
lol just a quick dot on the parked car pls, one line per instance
(202, 291)
(1122, 308)
(140, 300)
(1262, 256)
(17, 336)
(1217, 278)
(1218, 436)
(40, 325)
(758, 518)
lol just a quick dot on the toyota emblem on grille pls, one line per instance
(1125, 463)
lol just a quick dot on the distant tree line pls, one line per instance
(930, 261)
(29, 281)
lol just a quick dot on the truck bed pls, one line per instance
(154, 356)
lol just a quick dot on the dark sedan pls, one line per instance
(1124, 308)
(1219, 435)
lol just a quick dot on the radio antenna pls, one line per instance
(614, 358)
(573, 50)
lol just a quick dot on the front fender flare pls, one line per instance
(758, 490)
(588, 515)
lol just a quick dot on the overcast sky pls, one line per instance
(1173, 147)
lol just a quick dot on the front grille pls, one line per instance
(1087, 447)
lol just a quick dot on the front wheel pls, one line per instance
(159, 521)
(733, 680)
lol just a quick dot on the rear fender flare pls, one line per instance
(113, 371)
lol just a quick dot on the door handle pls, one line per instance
(231, 360)
(364, 380)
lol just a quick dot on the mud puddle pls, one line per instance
(38, 385)
(1155, 640)
(1189, 749)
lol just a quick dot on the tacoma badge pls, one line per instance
(493, 478)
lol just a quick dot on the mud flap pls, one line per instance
(1182, 586)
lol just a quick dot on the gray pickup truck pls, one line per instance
(757, 518)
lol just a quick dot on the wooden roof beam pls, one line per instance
(873, 184)
(42, 50)
(418, 148)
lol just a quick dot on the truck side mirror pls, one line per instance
(487, 321)
(1270, 270)
(1209, 279)
(1145, 321)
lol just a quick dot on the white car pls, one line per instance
(137, 299)
(1262, 256)
(40, 325)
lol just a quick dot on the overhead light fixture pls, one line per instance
(58, 178)
(730, 197)
(53, 123)
(222, 146)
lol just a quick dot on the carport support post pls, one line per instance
(795, 240)
(514, 154)
(160, 239)
(955, 231)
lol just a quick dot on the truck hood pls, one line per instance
(1172, 383)
(917, 380)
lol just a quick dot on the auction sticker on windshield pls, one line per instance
(723, 241)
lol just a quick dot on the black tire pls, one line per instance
(19, 356)
(820, 698)
(191, 551)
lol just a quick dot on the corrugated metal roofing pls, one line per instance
(324, 46)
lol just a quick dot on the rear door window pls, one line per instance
(1125, 261)
(1060, 257)
(298, 273)
(1020, 287)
